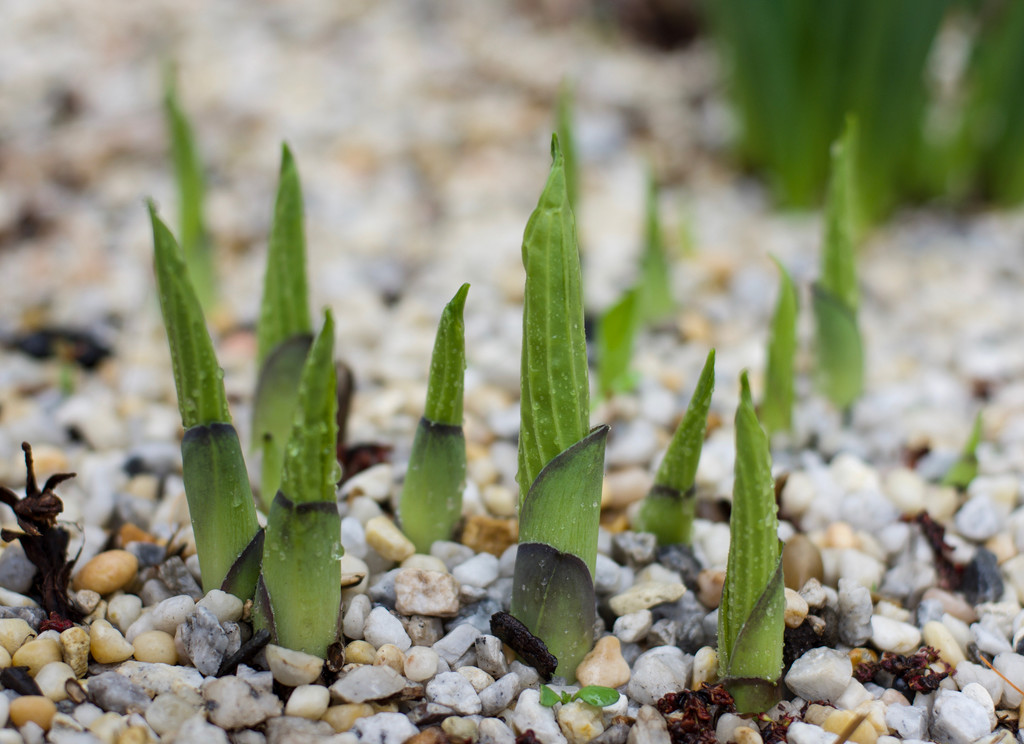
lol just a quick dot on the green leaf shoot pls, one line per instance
(597, 695)
(838, 262)
(549, 697)
(753, 602)
(616, 335)
(284, 311)
(668, 509)
(965, 469)
(777, 406)
(840, 356)
(431, 502)
(555, 403)
(564, 127)
(188, 172)
(654, 288)
(198, 378)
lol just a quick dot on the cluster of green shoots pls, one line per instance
(798, 69)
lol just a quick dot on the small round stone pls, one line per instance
(746, 735)
(308, 701)
(14, 632)
(123, 610)
(390, 655)
(107, 645)
(226, 607)
(342, 717)
(36, 654)
(155, 646)
(705, 666)
(383, 536)
(937, 635)
(51, 679)
(420, 663)
(75, 643)
(604, 665)
(838, 720)
(293, 668)
(360, 652)
(107, 572)
(801, 562)
(796, 608)
(32, 709)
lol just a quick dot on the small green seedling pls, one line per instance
(188, 172)
(228, 539)
(965, 469)
(668, 509)
(840, 354)
(777, 406)
(285, 330)
(616, 336)
(750, 618)
(595, 695)
(560, 464)
(654, 289)
(431, 502)
(567, 140)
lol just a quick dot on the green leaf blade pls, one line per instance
(446, 381)
(840, 363)
(431, 503)
(965, 469)
(838, 267)
(654, 289)
(616, 336)
(777, 406)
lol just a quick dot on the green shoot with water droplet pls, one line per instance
(777, 406)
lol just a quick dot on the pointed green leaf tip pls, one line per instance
(965, 469)
(777, 407)
(448, 365)
(311, 469)
(838, 269)
(616, 333)
(284, 312)
(654, 289)
(555, 404)
(754, 556)
(197, 377)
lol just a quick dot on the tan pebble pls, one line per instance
(360, 652)
(342, 717)
(460, 730)
(489, 534)
(894, 697)
(75, 643)
(839, 720)
(155, 646)
(293, 668)
(801, 562)
(384, 537)
(87, 600)
(604, 665)
(425, 563)
(951, 603)
(1002, 546)
(5, 658)
(645, 596)
(817, 714)
(746, 735)
(32, 708)
(107, 645)
(108, 727)
(875, 711)
(499, 500)
(390, 655)
(36, 654)
(941, 502)
(937, 635)
(107, 572)
(861, 655)
(308, 701)
(580, 722)
(99, 613)
(710, 583)
(840, 535)
(432, 735)
(355, 576)
(135, 735)
(420, 663)
(52, 678)
(481, 469)
(705, 666)
(476, 677)
(14, 632)
(796, 609)
(624, 487)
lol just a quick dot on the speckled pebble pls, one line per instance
(75, 644)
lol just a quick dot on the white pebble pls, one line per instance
(226, 607)
(308, 701)
(382, 627)
(892, 635)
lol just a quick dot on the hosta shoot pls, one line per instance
(616, 335)
(965, 469)
(654, 289)
(777, 406)
(285, 329)
(299, 594)
(228, 539)
(188, 174)
(750, 618)
(668, 509)
(567, 140)
(431, 502)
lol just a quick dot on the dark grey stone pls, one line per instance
(382, 591)
(205, 641)
(149, 554)
(16, 570)
(634, 549)
(982, 581)
(680, 558)
(179, 579)
(664, 632)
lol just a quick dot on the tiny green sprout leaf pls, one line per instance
(668, 510)
(568, 141)
(284, 311)
(840, 373)
(597, 695)
(965, 469)
(777, 406)
(752, 598)
(838, 269)
(191, 190)
(555, 407)
(654, 289)
(197, 376)
(549, 697)
(448, 364)
(616, 333)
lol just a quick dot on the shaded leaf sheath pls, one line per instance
(563, 507)
(220, 507)
(965, 469)
(431, 502)
(277, 393)
(654, 290)
(188, 173)
(616, 334)
(754, 557)
(284, 312)
(668, 510)
(553, 595)
(777, 406)
(197, 377)
(840, 363)
(554, 409)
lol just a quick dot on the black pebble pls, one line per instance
(981, 579)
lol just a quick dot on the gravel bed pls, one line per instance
(420, 131)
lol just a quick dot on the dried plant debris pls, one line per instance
(911, 673)
(693, 714)
(44, 541)
(70, 344)
(519, 638)
(950, 573)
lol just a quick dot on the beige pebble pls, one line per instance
(123, 610)
(423, 562)
(580, 722)
(390, 655)
(1002, 546)
(937, 635)
(710, 583)
(500, 500)
(135, 735)
(108, 727)
(746, 735)
(360, 652)
(951, 603)
(817, 714)
(645, 596)
(705, 666)
(420, 663)
(5, 658)
(293, 668)
(107, 572)
(624, 487)
(941, 502)
(476, 677)
(98, 613)
(107, 645)
(460, 729)
(308, 701)
(840, 535)
(875, 711)
(155, 646)
(796, 609)
(801, 561)
(342, 717)
(75, 643)
(87, 600)
(52, 678)
(32, 708)
(384, 537)
(479, 467)
(36, 654)
(14, 632)
(604, 665)
(838, 721)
